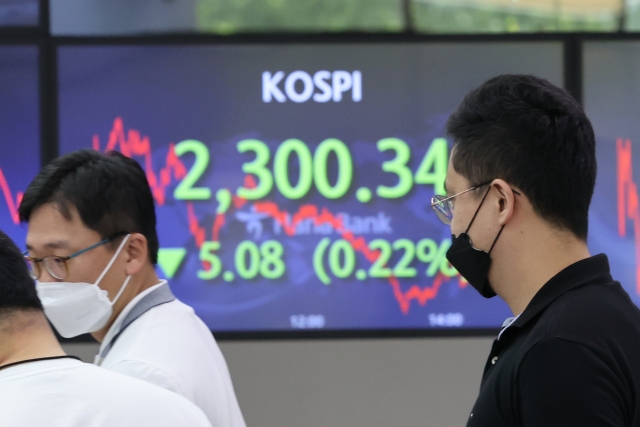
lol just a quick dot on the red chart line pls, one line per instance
(628, 200)
(12, 203)
(404, 298)
(133, 144)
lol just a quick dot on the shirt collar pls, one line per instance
(588, 270)
(507, 322)
(37, 366)
(115, 327)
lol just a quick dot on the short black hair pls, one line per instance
(17, 288)
(110, 192)
(535, 136)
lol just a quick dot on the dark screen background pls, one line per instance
(20, 132)
(19, 13)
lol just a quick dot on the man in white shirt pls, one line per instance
(41, 386)
(93, 246)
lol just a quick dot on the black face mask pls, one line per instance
(473, 264)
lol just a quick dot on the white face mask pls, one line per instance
(78, 308)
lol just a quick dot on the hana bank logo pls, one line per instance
(300, 86)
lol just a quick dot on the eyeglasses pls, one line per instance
(443, 206)
(56, 266)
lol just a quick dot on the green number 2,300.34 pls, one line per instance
(432, 169)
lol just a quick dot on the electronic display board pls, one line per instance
(611, 100)
(20, 132)
(292, 182)
(19, 13)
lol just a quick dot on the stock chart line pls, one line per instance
(198, 232)
(12, 203)
(628, 200)
(359, 244)
(132, 144)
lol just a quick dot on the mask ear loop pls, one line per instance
(477, 210)
(124, 285)
(496, 239)
(113, 259)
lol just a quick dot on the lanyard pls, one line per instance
(159, 296)
(39, 359)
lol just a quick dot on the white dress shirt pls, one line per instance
(69, 393)
(171, 347)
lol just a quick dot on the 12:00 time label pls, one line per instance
(307, 321)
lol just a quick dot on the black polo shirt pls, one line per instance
(572, 358)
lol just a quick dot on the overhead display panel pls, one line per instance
(19, 13)
(611, 100)
(20, 132)
(292, 182)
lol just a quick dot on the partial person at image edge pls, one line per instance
(41, 386)
(519, 184)
(92, 248)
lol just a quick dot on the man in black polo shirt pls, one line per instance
(521, 176)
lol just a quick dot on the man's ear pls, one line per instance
(137, 253)
(506, 200)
